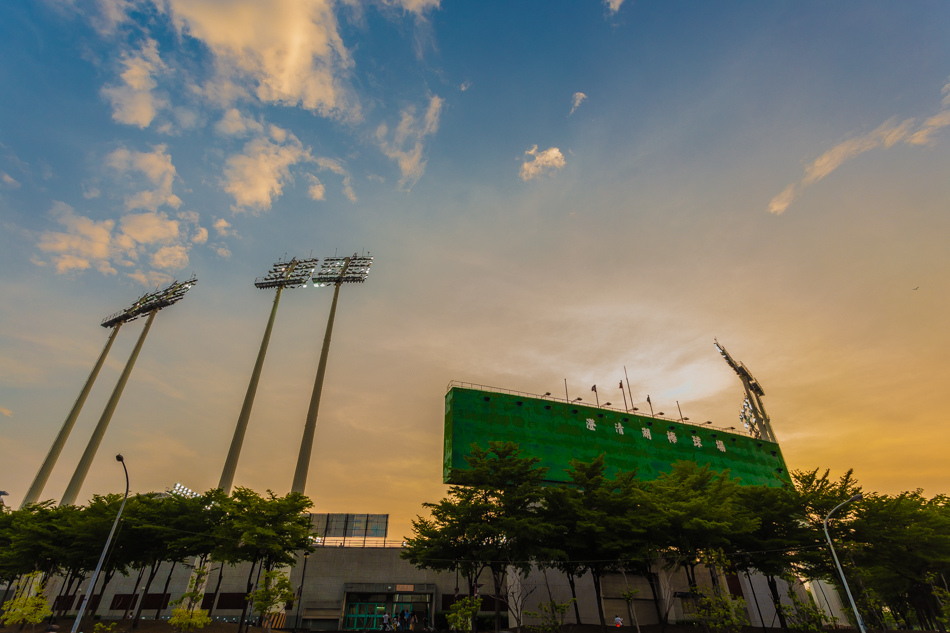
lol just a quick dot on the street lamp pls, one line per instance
(844, 580)
(334, 271)
(149, 303)
(105, 550)
(292, 274)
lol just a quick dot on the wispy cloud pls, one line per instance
(405, 146)
(257, 175)
(885, 135)
(336, 167)
(576, 101)
(134, 101)
(6, 412)
(157, 168)
(613, 5)
(540, 163)
(7, 181)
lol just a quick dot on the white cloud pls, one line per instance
(6, 412)
(466, 85)
(317, 189)
(151, 278)
(405, 146)
(133, 101)
(85, 242)
(329, 164)
(576, 101)
(257, 175)
(290, 51)
(415, 6)
(200, 236)
(540, 163)
(223, 227)
(885, 135)
(157, 168)
(613, 5)
(7, 181)
(233, 123)
(149, 228)
(170, 257)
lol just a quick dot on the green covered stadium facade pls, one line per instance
(557, 432)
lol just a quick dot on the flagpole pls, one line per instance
(624, 396)
(628, 384)
(567, 398)
(680, 410)
(596, 397)
(651, 406)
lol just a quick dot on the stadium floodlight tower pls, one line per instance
(292, 274)
(336, 271)
(148, 304)
(115, 322)
(753, 412)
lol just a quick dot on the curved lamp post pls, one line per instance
(844, 580)
(105, 550)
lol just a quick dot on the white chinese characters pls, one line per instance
(698, 443)
(591, 425)
(618, 427)
(720, 446)
(646, 433)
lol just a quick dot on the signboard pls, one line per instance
(558, 431)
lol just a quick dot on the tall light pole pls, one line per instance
(149, 304)
(105, 549)
(292, 274)
(336, 271)
(844, 580)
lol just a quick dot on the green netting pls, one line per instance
(558, 432)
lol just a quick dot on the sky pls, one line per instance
(551, 190)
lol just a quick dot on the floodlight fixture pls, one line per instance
(144, 305)
(334, 271)
(337, 270)
(292, 274)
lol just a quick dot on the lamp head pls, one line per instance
(856, 497)
(119, 458)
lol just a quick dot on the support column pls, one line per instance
(72, 490)
(230, 465)
(306, 444)
(39, 482)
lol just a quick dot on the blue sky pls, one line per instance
(551, 190)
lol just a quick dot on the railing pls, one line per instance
(470, 385)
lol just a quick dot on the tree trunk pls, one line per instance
(600, 603)
(161, 601)
(217, 588)
(134, 593)
(241, 624)
(152, 572)
(496, 582)
(653, 580)
(777, 601)
(572, 581)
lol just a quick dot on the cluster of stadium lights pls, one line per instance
(290, 274)
(171, 294)
(178, 490)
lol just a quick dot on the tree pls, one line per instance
(490, 520)
(275, 589)
(775, 546)
(30, 607)
(188, 614)
(600, 524)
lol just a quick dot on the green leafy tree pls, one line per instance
(463, 612)
(188, 614)
(275, 589)
(601, 524)
(31, 606)
(490, 519)
(719, 611)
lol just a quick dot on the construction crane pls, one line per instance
(753, 413)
